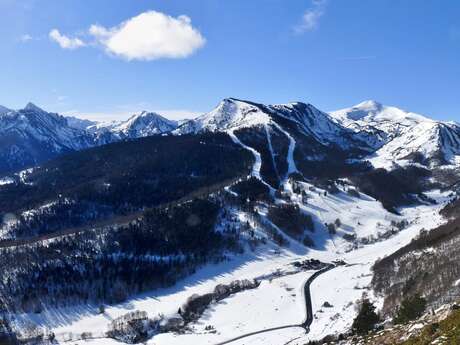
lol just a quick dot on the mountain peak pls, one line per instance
(32, 107)
(231, 102)
(369, 105)
(229, 114)
(366, 109)
(299, 104)
(142, 124)
(149, 117)
(4, 110)
(372, 111)
(145, 113)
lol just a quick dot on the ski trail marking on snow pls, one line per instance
(258, 159)
(270, 147)
(292, 168)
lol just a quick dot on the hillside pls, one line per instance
(119, 179)
(235, 210)
(427, 266)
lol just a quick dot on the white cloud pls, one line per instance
(311, 17)
(26, 38)
(65, 42)
(149, 36)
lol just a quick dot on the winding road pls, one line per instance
(309, 310)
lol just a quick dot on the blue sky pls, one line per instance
(108, 58)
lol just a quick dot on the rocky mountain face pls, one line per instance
(31, 135)
(390, 135)
(233, 115)
(139, 125)
(285, 138)
(78, 123)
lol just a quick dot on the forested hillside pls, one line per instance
(428, 266)
(120, 179)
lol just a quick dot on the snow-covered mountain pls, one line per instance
(385, 135)
(4, 110)
(232, 114)
(139, 125)
(229, 114)
(31, 135)
(305, 135)
(78, 123)
(402, 137)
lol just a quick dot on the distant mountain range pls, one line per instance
(31, 135)
(386, 136)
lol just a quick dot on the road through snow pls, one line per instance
(309, 310)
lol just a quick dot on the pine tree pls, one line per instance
(411, 309)
(366, 319)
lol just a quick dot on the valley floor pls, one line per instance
(278, 300)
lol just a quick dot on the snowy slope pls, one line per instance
(400, 136)
(36, 124)
(236, 114)
(382, 117)
(138, 125)
(78, 123)
(428, 143)
(283, 138)
(4, 110)
(277, 301)
(31, 135)
(229, 114)
(317, 124)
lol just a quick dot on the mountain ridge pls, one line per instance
(403, 136)
(31, 135)
(388, 134)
